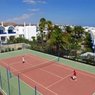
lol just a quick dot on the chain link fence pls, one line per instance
(10, 85)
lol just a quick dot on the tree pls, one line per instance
(56, 39)
(33, 38)
(77, 32)
(42, 24)
(68, 29)
(49, 28)
(87, 43)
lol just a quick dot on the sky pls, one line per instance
(68, 12)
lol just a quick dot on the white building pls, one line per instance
(91, 30)
(7, 32)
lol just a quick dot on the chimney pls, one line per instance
(2, 24)
(29, 24)
(24, 24)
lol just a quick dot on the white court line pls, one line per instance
(15, 63)
(3, 91)
(66, 67)
(40, 84)
(8, 66)
(51, 73)
(11, 63)
(33, 80)
(19, 62)
(69, 68)
(31, 87)
(62, 66)
(43, 63)
(16, 57)
(79, 71)
(23, 81)
(62, 78)
(93, 93)
(33, 55)
(59, 81)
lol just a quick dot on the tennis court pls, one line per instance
(49, 76)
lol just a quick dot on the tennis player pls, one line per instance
(74, 75)
(23, 60)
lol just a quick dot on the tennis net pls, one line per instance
(40, 65)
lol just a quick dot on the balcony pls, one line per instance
(2, 32)
(11, 32)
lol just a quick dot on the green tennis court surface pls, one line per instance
(25, 89)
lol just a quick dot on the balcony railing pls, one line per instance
(3, 33)
(11, 32)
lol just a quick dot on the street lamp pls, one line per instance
(93, 48)
(94, 52)
(0, 46)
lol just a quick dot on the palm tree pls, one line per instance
(42, 24)
(49, 28)
(56, 39)
(50, 25)
(45, 28)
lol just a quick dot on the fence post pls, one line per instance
(35, 90)
(58, 55)
(19, 91)
(0, 80)
(8, 81)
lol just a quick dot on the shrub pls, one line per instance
(12, 49)
(6, 50)
(19, 48)
(9, 49)
(2, 51)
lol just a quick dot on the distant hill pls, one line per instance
(14, 24)
(8, 23)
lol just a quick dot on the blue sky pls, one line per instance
(72, 12)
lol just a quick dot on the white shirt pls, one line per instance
(23, 59)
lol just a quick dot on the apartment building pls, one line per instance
(91, 30)
(8, 32)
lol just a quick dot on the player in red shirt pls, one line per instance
(74, 75)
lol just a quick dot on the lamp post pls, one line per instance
(94, 48)
(0, 45)
(93, 53)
